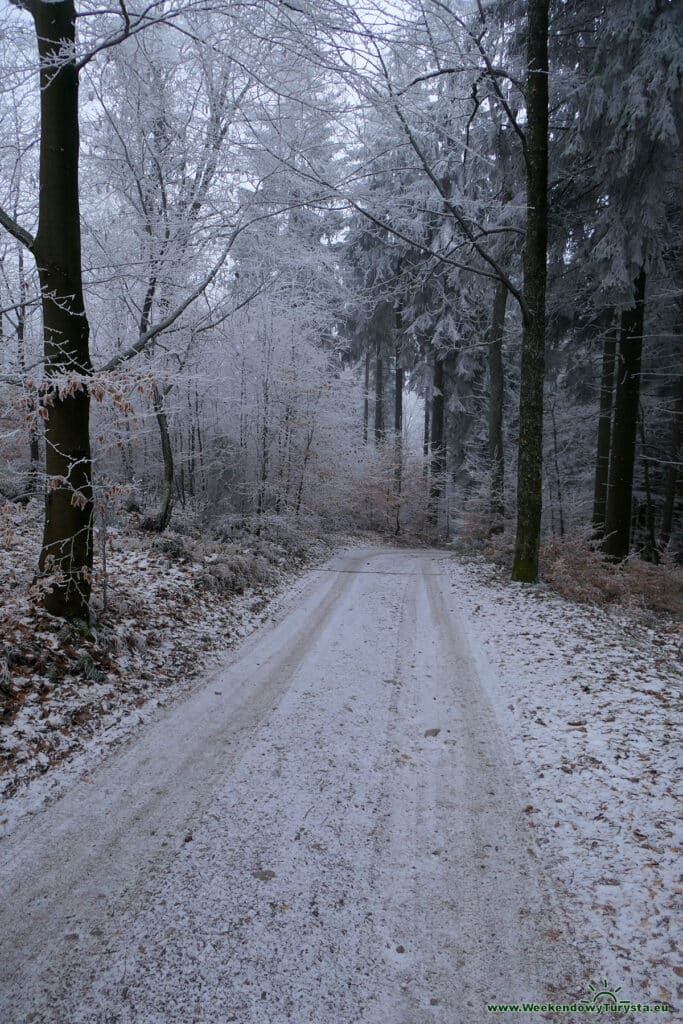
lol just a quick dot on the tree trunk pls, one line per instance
(609, 350)
(530, 457)
(496, 397)
(616, 543)
(366, 397)
(200, 444)
(672, 473)
(437, 438)
(427, 427)
(160, 521)
(398, 420)
(192, 449)
(379, 395)
(649, 552)
(304, 463)
(67, 536)
(265, 442)
(558, 475)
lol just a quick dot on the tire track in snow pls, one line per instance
(358, 852)
(71, 871)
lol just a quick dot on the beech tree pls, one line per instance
(66, 552)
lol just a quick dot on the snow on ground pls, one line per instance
(176, 604)
(422, 788)
(590, 702)
(330, 831)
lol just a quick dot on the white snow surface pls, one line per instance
(590, 699)
(381, 810)
(177, 605)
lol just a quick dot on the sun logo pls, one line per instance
(605, 994)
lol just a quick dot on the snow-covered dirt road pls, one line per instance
(330, 831)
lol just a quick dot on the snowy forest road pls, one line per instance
(329, 831)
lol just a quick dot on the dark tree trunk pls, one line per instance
(617, 539)
(265, 445)
(438, 449)
(672, 473)
(160, 521)
(609, 349)
(649, 552)
(192, 449)
(304, 464)
(67, 536)
(558, 475)
(398, 420)
(379, 395)
(530, 457)
(366, 397)
(200, 444)
(398, 398)
(426, 433)
(496, 398)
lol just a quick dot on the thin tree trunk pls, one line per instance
(672, 473)
(398, 420)
(558, 478)
(437, 438)
(379, 395)
(649, 552)
(200, 443)
(609, 350)
(243, 406)
(616, 543)
(127, 457)
(160, 521)
(68, 531)
(550, 500)
(496, 398)
(427, 427)
(530, 457)
(192, 445)
(366, 397)
(304, 463)
(265, 441)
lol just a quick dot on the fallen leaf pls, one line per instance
(263, 875)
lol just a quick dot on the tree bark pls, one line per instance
(160, 521)
(496, 398)
(67, 536)
(398, 420)
(530, 457)
(426, 432)
(616, 543)
(649, 551)
(366, 397)
(672, 473)
(437, 438)
(558, 475)
(379, 395)
(609, 350)
(265, 443)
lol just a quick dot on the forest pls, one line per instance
(398, 266)
(341, 510)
